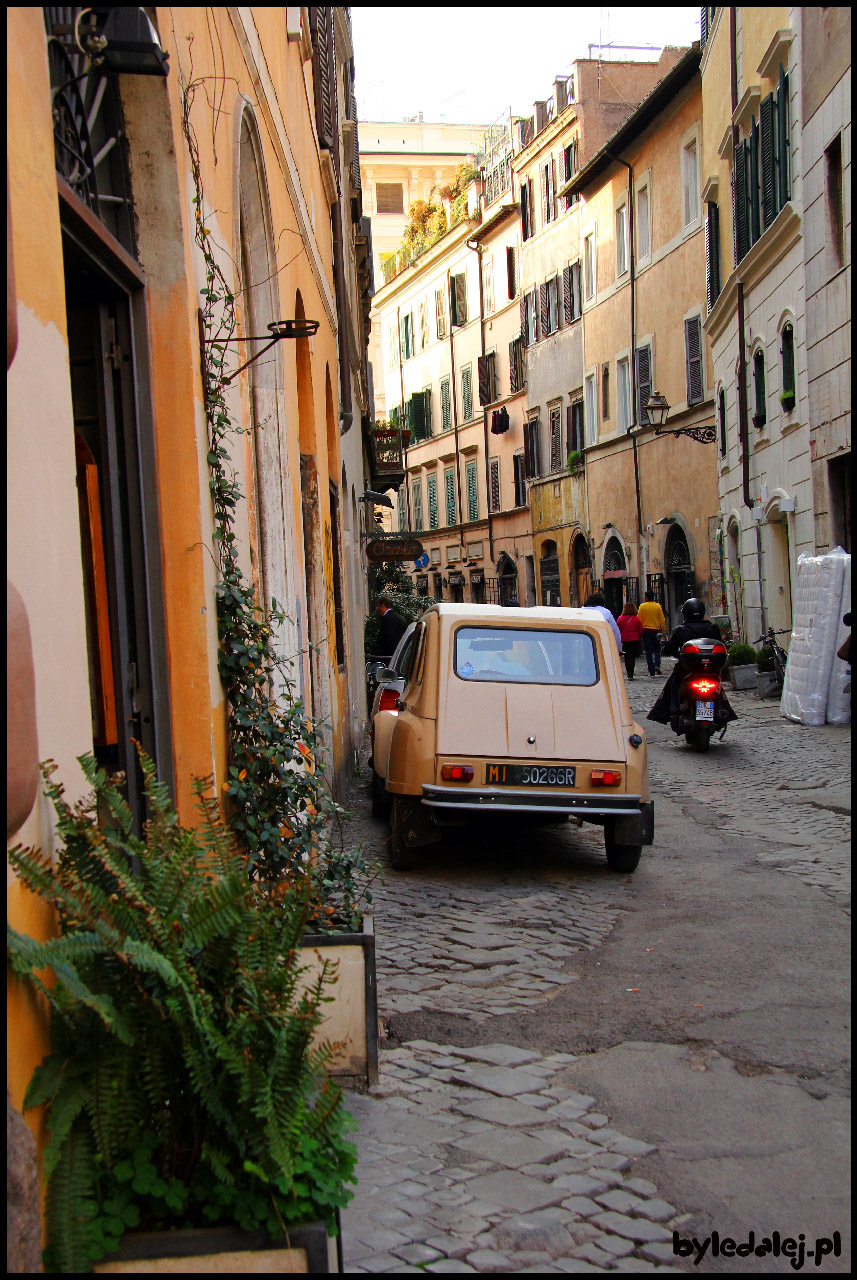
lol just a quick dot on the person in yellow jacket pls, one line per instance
(654, 625)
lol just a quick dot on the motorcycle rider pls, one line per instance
(695, 626)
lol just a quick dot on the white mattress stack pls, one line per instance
(839, 689)
(816, 618)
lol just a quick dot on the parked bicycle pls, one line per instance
(779, 654)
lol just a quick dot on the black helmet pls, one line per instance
(693, 610)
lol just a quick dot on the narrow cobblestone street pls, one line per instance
(576, 1063)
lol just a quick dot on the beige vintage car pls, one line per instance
(516, 712)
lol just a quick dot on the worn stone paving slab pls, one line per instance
(509, 1196)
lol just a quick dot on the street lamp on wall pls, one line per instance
(657, 407)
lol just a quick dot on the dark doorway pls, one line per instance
(681, 582)
(839, 475)
(116, 590)
(615, 573)
(549, 574)
(581, 576)
(507, 580)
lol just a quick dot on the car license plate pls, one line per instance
(705, 711)
(530, 775)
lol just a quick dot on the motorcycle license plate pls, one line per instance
(705, 711)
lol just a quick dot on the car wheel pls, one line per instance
(380, 799)
(402, 856)
(621, 857)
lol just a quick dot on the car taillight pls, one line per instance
(389, 700)
(704, 687)
(457, 772)
(605, 777)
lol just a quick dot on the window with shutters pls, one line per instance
(511, 274)
(835, 207)
(324, 79)
(424, 325)
(518, 472)
(392, 346)
(526, 209)
(466, 393)
(494, 484)
(621, 240)
(690, 183)
(761, 183)
(419, 414)
(644, 382)
(721, 421)
(440, 311)
(623, 394)
(571, 292)
(787, 350)
(517, 379)
(605, 392)
(431, 485)
(403, 511)
(487, 378)
(458, 300)
(389, 197)
(589, 266)
(445, 405)
(472, 492)
(644, 229)
(530, 331)
(712, 255)
(693, 360)
(449, 488)
(532, 460)
(417, 504)
(488, 286)
(407, 335)
(547, 177)
(706, 23)
(555, 419)
(574, 436)
(591, 421)
(760, 417)
(569, 169)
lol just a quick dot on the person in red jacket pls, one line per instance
(631, 630)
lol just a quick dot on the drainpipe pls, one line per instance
(743, 431)
(641, 558)
(477, 249)
(346, 414)
(453, 404)
(402, 414)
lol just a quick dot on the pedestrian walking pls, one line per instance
(597, 602)
(631, 631)
(391, 629)
(654, 625)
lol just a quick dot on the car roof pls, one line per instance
(516, 616)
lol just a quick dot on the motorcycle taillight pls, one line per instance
(704, 687)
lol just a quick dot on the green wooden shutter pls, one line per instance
(759, 381)
(753, 193)
(445, 405)
(440, 312)
(494, 469)
(449, 486)
(467, 393)
(432, 502)
(483, 378)
(721, 407)
(513, 367)
(788, 352)
(417, 505)
(770, 187)
(741, 201)
(712, 254)
(544, 327)
(403, 513)
(783, 139)
(524, 320)
(693, 360)
(472, 493)
(644, 382)
(418, 415)
(511, 281)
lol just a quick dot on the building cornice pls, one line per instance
(550, 133)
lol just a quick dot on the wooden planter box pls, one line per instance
(743, 677)
(352, 1018)
(223, 1250)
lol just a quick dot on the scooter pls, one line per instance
(700, 706)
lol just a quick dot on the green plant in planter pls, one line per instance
(765, 658)
(741, 655)
(181, 1087)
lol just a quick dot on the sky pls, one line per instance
(471, 65)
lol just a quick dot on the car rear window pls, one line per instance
(515, 656)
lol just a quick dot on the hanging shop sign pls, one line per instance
(381, 549)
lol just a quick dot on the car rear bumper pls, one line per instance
(525, 800)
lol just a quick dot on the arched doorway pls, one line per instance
(614, 575)
(580, 578)
(549, 574)
(778, 583)
(681, 583)
(507, 578)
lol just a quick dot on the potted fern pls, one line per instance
(190, 1112)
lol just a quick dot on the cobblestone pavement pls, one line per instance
(785, 782)
(484, 1158)
(480, 1159)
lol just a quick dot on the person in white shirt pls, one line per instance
(598, 604)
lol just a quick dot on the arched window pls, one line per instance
(787, 350)
(760, 416)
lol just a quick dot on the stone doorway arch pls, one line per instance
(680, 578)
(614, 564)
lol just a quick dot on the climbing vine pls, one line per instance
(278, 804)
